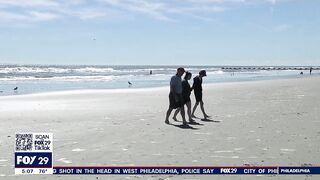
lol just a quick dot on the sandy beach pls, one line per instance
(262, 123)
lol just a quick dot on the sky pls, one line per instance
(160, 32)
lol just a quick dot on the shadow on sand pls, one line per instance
(191, 123)
(210, 120)
(184, 126)
(195, 123)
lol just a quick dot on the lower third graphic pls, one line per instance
(33, 153)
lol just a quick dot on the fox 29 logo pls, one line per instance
(33, 160)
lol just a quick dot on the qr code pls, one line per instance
(24, 142)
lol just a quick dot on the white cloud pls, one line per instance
(8, 17)
(28, 3)
(87, 14)
(150, 8)
(29, 17)
(200, 9)
(42, 16)
(164, 10)
(31, 11)
(216, 1)
(233, 1)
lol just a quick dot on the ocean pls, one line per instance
(46, 78)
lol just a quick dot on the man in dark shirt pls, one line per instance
(197, 89)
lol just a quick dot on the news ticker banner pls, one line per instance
(33, 153)
(184, 170)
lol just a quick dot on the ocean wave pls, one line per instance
(20, 70)
(109, 73)
(95, 70)
(61, 78)
(215, 72)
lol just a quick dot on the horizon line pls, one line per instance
(38, 64)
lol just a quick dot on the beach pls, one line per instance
(256, 123)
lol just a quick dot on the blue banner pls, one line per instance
(33, 160)
(299, 170)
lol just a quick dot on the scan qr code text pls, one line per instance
(42, 142)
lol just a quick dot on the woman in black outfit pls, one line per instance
(197, 88)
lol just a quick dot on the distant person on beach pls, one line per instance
(150, 72)
(310, 70)
(175, 96)
(186, 91)
(197, 89)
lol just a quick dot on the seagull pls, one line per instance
(16, 88)
(130, 84)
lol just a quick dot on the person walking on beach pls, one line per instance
(186, 91)
(197, 89)
(310, 70)
(175, 96)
